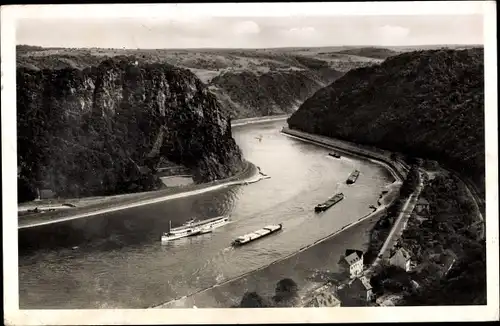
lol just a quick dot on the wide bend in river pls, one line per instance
(116, 260)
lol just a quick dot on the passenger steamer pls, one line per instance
(193, 228)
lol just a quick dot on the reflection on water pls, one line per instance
(116, 260)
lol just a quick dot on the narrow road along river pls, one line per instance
(116, 260)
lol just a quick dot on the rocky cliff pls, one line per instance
(273, 87)
(424, 103)
(248, 94)
(102, 129)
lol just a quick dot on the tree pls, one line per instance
(286, 293)
(411, 182)
(252, 300)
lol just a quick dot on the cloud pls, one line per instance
(389, 31)
(246, 27)
(201, 31)
(306, 36)
(302, 29)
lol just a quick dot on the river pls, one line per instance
(116, 260)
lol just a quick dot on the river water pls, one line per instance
(116, 260)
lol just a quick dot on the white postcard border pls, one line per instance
(14, 316)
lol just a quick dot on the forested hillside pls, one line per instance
(424, 103)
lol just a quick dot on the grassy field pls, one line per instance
(203, 61)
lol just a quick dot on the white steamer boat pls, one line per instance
(192, 228)
(187, 232)
(213, 224)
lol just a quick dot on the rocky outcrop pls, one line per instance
(249, 94)
(101, 130)
(280, 90)
(427, 104)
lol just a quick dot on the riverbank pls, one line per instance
(84, 207)
(381, 157)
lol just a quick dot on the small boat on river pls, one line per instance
(336, 155)
(265, 231)
(353, 177)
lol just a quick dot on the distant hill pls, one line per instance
(247, 94)
(424, 103)
(248, 82)
(371, 52)
(27, 48)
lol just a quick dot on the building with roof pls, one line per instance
(324, 296)
(389, 300)
(352, 263)
(401, 258)
(422, 207)
(45, 194)
(415, 284)
(357, 293)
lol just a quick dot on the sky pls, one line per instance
(251, 32)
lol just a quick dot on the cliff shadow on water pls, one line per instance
(103, 130)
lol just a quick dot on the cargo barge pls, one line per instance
(336, 155)
(265, 231)
(329, 203)
(353, 177)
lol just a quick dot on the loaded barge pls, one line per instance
(329, 203)
(353, 177)
(265, 231)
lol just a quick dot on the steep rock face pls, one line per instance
(101, 130)
(425, 103)
(248, 94)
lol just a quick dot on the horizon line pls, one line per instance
(262, 48)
